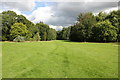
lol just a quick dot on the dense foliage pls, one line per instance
(64, 34)
(13, 26)
(102, 27)
(104, 31)
(36, 37)
(0, 26)
(18, 29)
(82, 29)
(94, 28)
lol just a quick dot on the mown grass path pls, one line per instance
(59, 59)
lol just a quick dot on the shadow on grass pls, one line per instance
(68, 41)
(117, 43)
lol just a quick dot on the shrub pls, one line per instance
(31, 39)
(19, 39)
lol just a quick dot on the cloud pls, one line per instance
(62, 13)
(58, 28)
(79, 0)
(41, 14)
(1, 11)
(17, 11)
(28, 5)
(22, 5)
(111, 9)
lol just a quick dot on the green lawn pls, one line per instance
(0, 61)
(59, 59)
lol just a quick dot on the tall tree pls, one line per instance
(8, 19)
(51, 34)
(0, 26)
(30, 26)
(43, 29)
(83, 28)
(114, 18)
(37, 37)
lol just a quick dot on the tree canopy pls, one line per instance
(14, 25)
(83, 28)
(18, 29)
(94, 28)
(104, 31)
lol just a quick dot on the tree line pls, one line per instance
(102, 27)
(17, 28)
(93, 28)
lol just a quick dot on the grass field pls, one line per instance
(0, 60)
(59, 59)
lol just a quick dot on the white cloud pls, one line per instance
(58, 28)
(111, 9)
(17, 11)
(27, 5)
(108, 10)
(1, 11)
(65, 14)
(22, 5)
(41, 14)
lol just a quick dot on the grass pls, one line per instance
(59, 59)
(0, 60)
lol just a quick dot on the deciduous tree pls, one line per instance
(18, 29)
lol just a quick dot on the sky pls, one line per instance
(57, 13)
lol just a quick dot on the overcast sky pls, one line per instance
(57, 13)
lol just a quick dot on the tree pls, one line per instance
(30, 26)
(59, 35)
(37, 37)
(114, 18)
(0, 27)
(8, 19)
(82, 30)
(44, 37)
(51, 34)
(64, 34)
(101, 16)
(104, 32)
(118, 25)
(18, 29)
(77, 33)
(43, 29)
